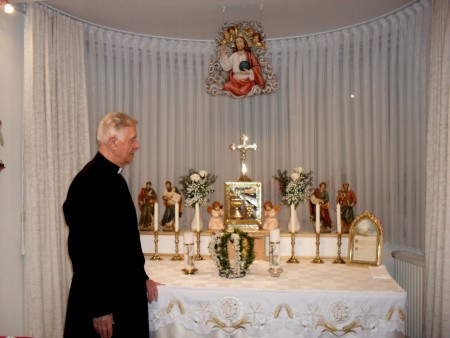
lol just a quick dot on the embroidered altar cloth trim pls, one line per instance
(307, 299)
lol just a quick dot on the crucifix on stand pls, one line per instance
(243, 149)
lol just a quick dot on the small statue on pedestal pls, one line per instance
(270, 214)
(171, 197)
(320, 197)
(146, 200)
(347, 199)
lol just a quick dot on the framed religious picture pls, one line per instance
(365, 240)
(242, 206)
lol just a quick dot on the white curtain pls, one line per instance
(56, 144)
(375, 140)
(437, 246)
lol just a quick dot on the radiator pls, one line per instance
(408, 272)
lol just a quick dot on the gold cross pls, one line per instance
(243, 149)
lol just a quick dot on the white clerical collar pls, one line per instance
(119, 171)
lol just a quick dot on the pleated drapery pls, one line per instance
(56, 145)
(351, 106)
(437, 245)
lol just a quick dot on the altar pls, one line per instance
(306, 300)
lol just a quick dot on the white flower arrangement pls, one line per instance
(295, 188)
(197, 186)
(244, 253)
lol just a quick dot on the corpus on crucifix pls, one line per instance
(243, 149)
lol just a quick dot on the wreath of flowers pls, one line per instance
(244, 252)
(295, 188)
(197, 186)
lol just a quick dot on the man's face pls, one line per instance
(240, 44)
(126, 145)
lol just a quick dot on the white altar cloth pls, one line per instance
(306, 300)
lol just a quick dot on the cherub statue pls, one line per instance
(226, 37)
(270, 214)
(216, 222)
(257, 41)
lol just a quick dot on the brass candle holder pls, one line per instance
(317, 259)
(339, 260)
(156, 257)
(198, 257)
(177, 257)
(293, 259)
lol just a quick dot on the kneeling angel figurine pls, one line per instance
(270, 214)
(216, 222)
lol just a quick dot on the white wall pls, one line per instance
(11, 209)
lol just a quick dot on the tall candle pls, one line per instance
(188, 238)
(338, 212)
(292, 218)
(177, 217)
(155, 217)
(188, 250)
(197, 217)
(317, 217)
(274, 235)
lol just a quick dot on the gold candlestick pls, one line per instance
(177, 257)
(339, 260)
(156, 257)
(317, 259)
(293, 259)
(198, 257)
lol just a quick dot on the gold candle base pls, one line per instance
(275, 272)
(198, 257)
(317, 259)
(189, 271)
(339, 260)
(156, 257)
(293, 259)
(177, 257)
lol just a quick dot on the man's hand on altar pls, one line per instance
(152, 290)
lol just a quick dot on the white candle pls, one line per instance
(155, 217)
(318, 218)
(292, 225)
(188, 250)
(177, 217)
(188, 238)
(338, 212)
(197, 217)
(274, 235)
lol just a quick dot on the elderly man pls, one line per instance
(110, 290)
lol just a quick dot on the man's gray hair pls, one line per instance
(111, 124)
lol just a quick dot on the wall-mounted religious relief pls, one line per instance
(239, 67)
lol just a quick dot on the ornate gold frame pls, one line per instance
(365, 240)
(242, 205)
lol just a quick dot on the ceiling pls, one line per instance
(201, 19)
